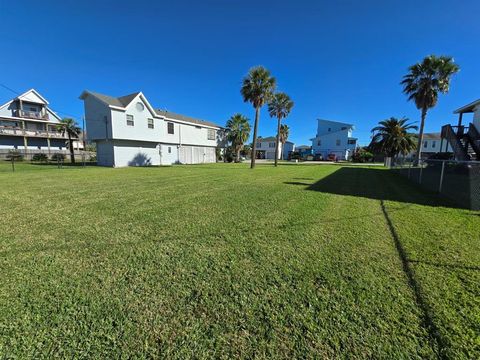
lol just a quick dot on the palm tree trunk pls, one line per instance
(278, 140)
(238, 155)
(254, 145)
(420, 137)
(70, 145)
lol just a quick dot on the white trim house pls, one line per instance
(29, 125)
(334, 138)
(128, 131)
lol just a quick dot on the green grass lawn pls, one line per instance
(299, 261)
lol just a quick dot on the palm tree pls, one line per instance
(257, 89)
(69, 126)
(393, 136)
(279, 106)
(238, 131)
(284, 132)
(424, 82)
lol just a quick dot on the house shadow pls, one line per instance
(140, 159)
(371, 183)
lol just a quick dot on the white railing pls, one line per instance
(31, 114)
(31, 133)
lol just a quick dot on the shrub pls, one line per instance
(92, 158)
(40, 157)
(362, 156)
(58, 157)
(15, 154)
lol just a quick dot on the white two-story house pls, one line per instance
(128, 131)
(334, 138)
(266, 148)
(28, 125)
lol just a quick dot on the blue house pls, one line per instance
(334, 138)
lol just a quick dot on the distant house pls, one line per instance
(288, 149)
(128, 131)
(266, 148)
(335, 138)
(29, 125)
(432, 144)
(304, 150)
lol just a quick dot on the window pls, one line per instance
(329, 129)
(211, 134)
(271, 144)
(169, 149)
(130, 121)
(344, 128)
(352, 142)
(425, 144)
(150, 123)
(139, 106)
(319, 142)
(338, 142)
(259, 144)
(433, 143)
(170, 128)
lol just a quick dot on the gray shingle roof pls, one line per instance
(123, 101)
(110, 100)
(180, 117)
(268, 138)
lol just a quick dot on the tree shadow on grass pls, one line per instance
(378, 184)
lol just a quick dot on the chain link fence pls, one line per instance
(457, 180)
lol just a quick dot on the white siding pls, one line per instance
(136, 153)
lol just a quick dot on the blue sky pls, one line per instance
(338, 60)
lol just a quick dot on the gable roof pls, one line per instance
(432, 136)
(123, 101)
(25, 95)
(467, 108)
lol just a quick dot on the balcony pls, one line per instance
(13, 131)
(38, 115)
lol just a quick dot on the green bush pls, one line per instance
(40, 157)
(15, 154)
(58, 157)
(362, 156)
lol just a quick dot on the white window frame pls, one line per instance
(130, 120)
(211, 134)
(168, 128)
(150, 123)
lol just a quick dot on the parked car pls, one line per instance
(318, 157)
(332, 157)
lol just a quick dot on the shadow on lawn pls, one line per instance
(371, 183)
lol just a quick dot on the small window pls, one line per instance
(338, 142)
(150, 123)
(169, 149)
(259, 144)
(425, 144)
(352, 142)
(170, 128)
(433, 143)
(271, 145)
(211, 134)
(130, 121)
(344, 128)
(319, 142)
(329, 129)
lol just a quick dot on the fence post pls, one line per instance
(421, 171)
(441, 177)
(409, 168)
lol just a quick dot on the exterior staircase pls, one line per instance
(464, 141)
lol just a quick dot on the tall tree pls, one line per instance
(423, 83)
(284, 132)
(279, 106)
(393, 136)
(257, 88)
(238, 131)
(69, 126)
